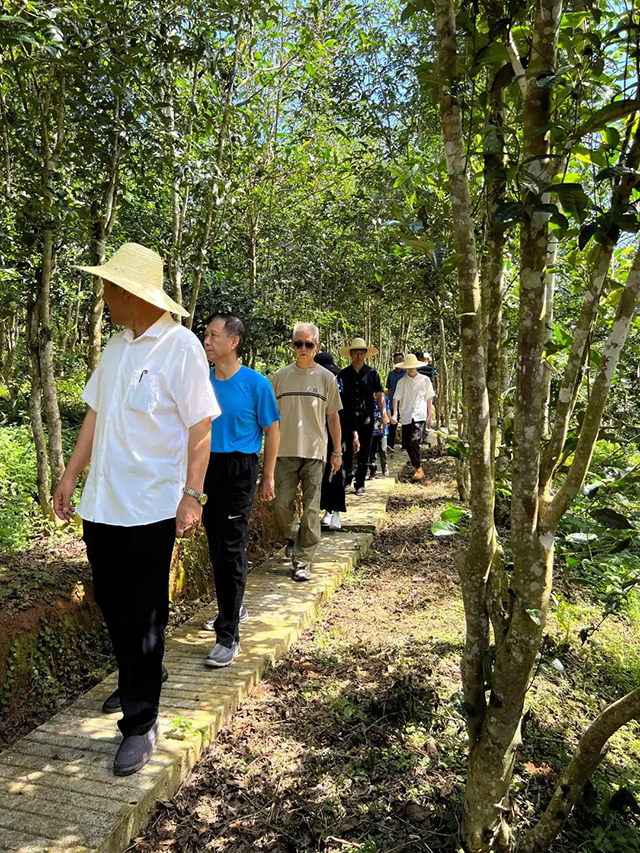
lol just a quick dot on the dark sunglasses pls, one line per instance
(307, 344)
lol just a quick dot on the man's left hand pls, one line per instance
(336, 463)
(267, 489)
(188, 516)
(385, 419)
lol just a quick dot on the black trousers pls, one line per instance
(364, 427)
(230, 484)
(391, 440)
(332, 496)
(411, 438)
(378, 449)
(131, 585)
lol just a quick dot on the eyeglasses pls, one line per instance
(307, 344)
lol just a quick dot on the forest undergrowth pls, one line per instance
(356, 741)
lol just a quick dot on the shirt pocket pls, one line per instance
(144, 393)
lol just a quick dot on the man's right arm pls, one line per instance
(78, 461)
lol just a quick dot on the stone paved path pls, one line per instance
(57, 790)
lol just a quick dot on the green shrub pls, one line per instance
(18, 487)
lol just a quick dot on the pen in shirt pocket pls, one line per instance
(141, 375)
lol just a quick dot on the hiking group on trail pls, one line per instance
(172, 443)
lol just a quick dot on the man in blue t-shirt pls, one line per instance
(249, 409)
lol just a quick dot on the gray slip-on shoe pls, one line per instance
(111, 704)
(302, 573)
(209, 625)
(135, 751)
(222, 655)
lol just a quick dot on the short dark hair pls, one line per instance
(398, 355)
(233, 326)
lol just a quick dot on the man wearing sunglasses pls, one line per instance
(308, 399)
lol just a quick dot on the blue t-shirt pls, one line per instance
(248, 406)
(392, 380)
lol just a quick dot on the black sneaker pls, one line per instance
(135, 751)
(209, 625)
(288, 549)
(111, 704)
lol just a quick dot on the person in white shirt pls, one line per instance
(413, 394)
(147, 434)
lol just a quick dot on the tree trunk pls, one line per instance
(51, 153)
(35, 412)
(586, 758)
(473, 564)
(102, 223)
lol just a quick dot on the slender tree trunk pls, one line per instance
(35, 412)
(103, 221)
(213, 193)
(473, 564)
(550, 289)
(51, 152)
(586, 758)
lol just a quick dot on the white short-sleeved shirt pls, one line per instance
(147, 393)
(412, 393)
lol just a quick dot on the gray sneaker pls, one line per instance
(209, 625)
(288, 549)
(302, 573)
(222, 655)
(135, 751)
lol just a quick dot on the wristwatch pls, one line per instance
(199, 496)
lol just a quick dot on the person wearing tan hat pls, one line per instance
(361, 387)
(147, 435)
(413, 395)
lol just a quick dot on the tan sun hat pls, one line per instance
(138, 270)
(410, 362)
(358, 343)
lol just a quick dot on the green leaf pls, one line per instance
(453, 514)
(443, 529)
(611, 518)
(586, 233)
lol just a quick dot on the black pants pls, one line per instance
(131, 586)
(332, 495)
(391, 441)
(411, 437)
(364, 427)
(230, 483)
(379, 449)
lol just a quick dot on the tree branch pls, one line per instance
(585, 760)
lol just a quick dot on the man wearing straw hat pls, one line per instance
(361, 388)
(147, 434)
(414, 393)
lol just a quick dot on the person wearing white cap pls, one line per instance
(147, 434)
(414, 393)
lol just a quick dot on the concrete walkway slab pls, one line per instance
(57, 790)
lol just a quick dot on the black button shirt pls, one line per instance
(358, 389)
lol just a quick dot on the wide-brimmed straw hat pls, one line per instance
(410, 361)
(358, 343)
(138, 270)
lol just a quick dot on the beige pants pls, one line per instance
(305, 531)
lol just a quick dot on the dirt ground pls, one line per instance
(356, 741)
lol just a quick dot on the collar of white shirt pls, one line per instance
(154, 331)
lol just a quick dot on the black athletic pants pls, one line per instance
(230, 484)
(411, 437)
(131, 586)
(364, 427)
(391, 440)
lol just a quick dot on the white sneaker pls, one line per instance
(326, 519)
(335, 521)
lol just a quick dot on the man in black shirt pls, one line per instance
(361, 386)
